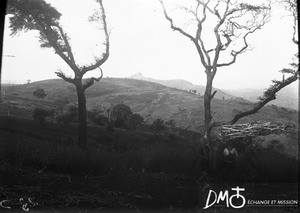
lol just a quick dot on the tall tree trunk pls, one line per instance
(207, 120)
(82, 131)
(207, 107)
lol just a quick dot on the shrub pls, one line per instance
(100, 120)
(171, 123)
(120, 111)
(134, 121)
(60, 102)
(158, 125)
(120, 123)
(39, 93)
(68, 116)
(40, 114)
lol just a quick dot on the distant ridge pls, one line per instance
(182, 85)
(287, 97)
(150, 100)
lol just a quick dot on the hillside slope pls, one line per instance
(149, 99)
(183, 85)
(288, 97)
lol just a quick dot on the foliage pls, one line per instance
(293, 75)
(119, 115)
(40, 114)
(100, 120)
(34, 15)
(96, 115)
(120, 111)
(61, 102)
(170, 123)
(42, 17)
(120, 123)
(39, 93)
(134, 121)
(158, 125)
(68, 115)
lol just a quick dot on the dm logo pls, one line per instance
(236, 200)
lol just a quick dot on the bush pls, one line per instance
(120, 111)
(120, 123)
(100, 120)
(39, 93)
(171, 123)
(68, 116)
(158, 125)
(40, 115)
(134, 121)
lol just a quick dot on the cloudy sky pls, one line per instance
(142, 41)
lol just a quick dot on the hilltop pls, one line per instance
(149, 99)
(287, 97)
(183, 85)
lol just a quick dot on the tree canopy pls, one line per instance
(40, 16)
(35, 15)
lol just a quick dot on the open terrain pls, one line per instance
(139, 170)
(183, 85)
(151, 100)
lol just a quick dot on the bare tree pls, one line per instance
(231, 23)
(291, 7)
(41, 16)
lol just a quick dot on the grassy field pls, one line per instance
(124, 170)
(132, 171)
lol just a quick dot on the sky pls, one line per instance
(141, 40)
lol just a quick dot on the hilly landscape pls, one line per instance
(141, 169)
(288, 97)
(183, 85)
(150, 100)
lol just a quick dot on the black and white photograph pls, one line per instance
(149, 106)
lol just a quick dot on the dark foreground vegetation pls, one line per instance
(124, 170)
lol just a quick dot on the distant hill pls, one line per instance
(151, 100)
(288, 97)
(183, 85)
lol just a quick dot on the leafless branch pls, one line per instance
(217, 35)
(172, 23)
(198, 36)
(105, 55)
(216, 12)
(212, 11)
(213, 94)
(269, 95)
(64, 77)
(291, 5)
(195, 40)
(241, 50)
(91, 81)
